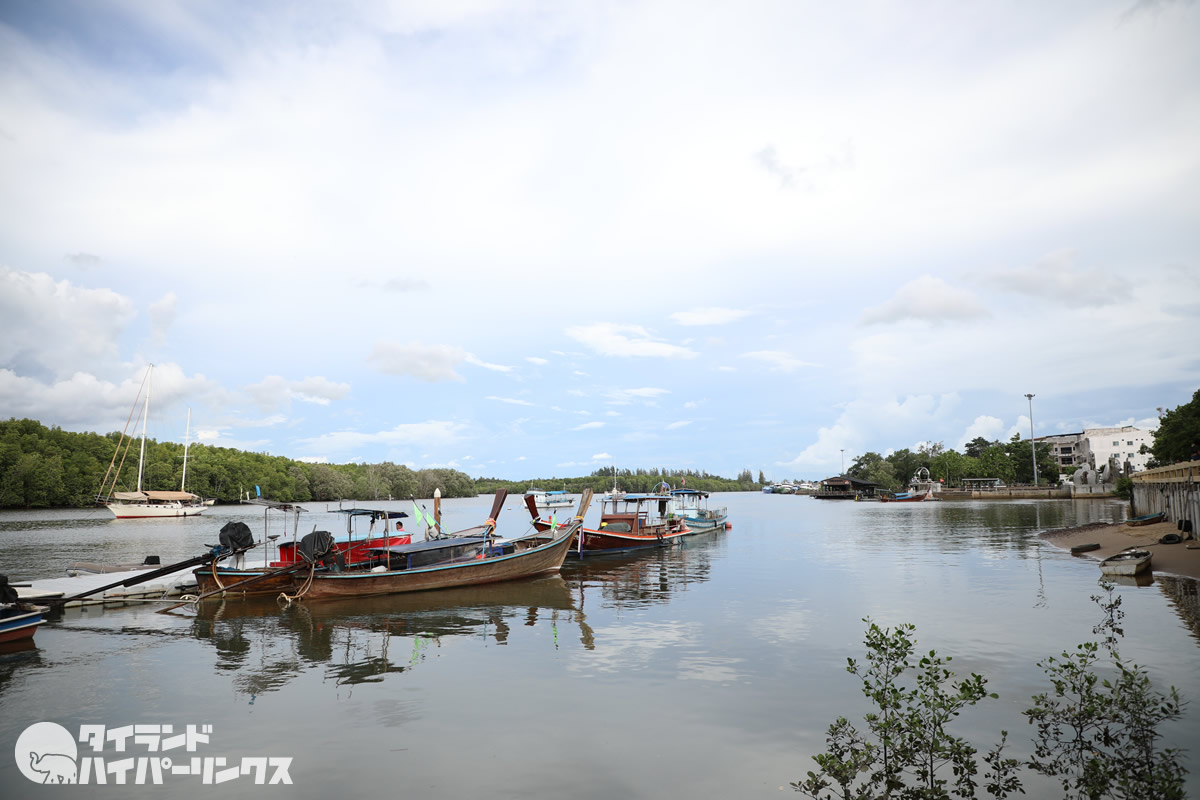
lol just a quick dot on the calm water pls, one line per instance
(710, 670)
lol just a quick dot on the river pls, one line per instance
(706, 671)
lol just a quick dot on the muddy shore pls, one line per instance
(1175, 559)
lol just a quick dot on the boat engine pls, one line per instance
(315, 546)
(236, 536)
(7, 593)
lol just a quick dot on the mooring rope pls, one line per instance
(288, 598)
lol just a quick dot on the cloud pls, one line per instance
(988, 427)
(601, 457)
(274, 391)
(470, 359)
(778, 360)
(511, 400)
(405, 285)
(768, 159)
(52, 329)
(314, 459)
(624, 397)
(674, 426)
(709, 316)
(541, 362)
(1055, 278)
(927, 299)
(416, 434)
(83, 260)
(162, 314)
(429, 363)
(85, 402)
(610, 339)
(588, 426)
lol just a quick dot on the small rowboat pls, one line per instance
(1126, 562)
(1147, 519)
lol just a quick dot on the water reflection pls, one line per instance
(356, 641)
(1184, 595)
(634, 580)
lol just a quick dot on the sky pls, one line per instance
(529, 239)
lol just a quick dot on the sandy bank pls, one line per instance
(1175, 559)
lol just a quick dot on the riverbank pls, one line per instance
(1176, 559)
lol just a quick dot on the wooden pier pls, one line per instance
(1171, 490)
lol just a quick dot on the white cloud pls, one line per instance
(541, 362)
(588, 426)
(53, 329)
(601, 457)
(623, 397)
(927, 299)
(415, 434)
(470, 359)
(430, 363)
(1056, 279)
(314, 459)
(778, 360)
(162, 314)
(275, 391)
(511, 400)
(610, 339)
(674, 426)
(709, 316)
(990, 428)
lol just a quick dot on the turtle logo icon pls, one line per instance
(46, 752)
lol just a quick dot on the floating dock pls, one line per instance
(163, 587)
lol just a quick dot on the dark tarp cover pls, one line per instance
(7, 593)
(236, 536)
(315, 546)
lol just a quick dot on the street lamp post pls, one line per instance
(1032, 443)
(843, 452)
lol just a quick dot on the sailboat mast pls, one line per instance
(145, 413)
(187, 439)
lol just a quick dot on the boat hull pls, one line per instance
(599, 543)
(1126, 564)
(273, 585)
(547, 557)
(18, 624)
(143, 511)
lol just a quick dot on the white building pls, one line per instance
(1097, 444)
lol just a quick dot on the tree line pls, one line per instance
(47, 467)
(1011, 462)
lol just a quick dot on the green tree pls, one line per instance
(1178, 435)
(875, 468)
(976, 447)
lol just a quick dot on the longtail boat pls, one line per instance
(349, 550)
(627, 522)
(692, 506)
(447, 562)
(18, 621)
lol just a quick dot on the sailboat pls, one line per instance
(145, 503)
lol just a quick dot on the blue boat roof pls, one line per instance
(689, 491)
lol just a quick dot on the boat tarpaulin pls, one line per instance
(166, 497)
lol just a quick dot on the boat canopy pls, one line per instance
(432, 544)
(688, 492)
(374, 514)
(275, 505)
(160, 496)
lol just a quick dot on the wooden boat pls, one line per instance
(627, 522)
(18, 621)
(1126, 562)
(692, 506)
(347, 552)
(903, 497)
(144, 504)
(447, 563)
(1146, 519)
(555, 499)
